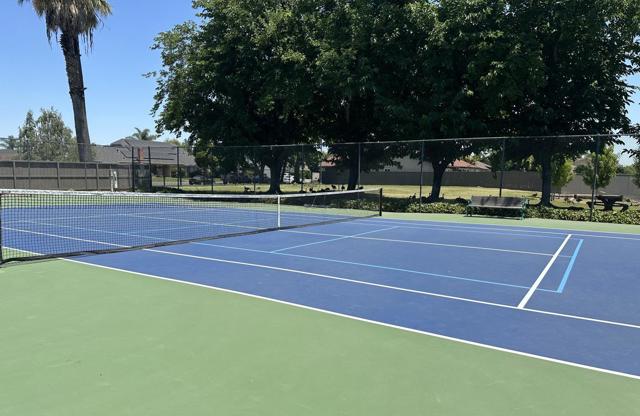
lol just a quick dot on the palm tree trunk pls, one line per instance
(71, 49)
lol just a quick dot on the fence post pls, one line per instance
(178, 174)
(594, 185)
(359, 163)
(29, 173)
(150, 173)
(421, 170)
(255, 173)
(58, 174)
(502, 162)
(13, 172)
(301, 168)
(133, 170)
(97, 177)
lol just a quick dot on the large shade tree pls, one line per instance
(240, 77)
(74, 21)
(363, 50)
(584, 51)
(459, 81)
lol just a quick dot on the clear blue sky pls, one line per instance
(119, 98)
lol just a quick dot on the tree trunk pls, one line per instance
(277, 171)
(70, 44)
(545, 164)
(439, 169)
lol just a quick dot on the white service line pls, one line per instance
(338, 238)
(534, 287)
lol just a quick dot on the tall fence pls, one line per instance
(20, 174)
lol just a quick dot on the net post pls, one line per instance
(502, 162)
(279, 212)
(380, 203)
(594, 184)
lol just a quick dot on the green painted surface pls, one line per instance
(78, 340)
(514, 222)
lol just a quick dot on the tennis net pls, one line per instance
(50, 224)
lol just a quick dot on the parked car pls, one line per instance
(200, 180)
(288, 178)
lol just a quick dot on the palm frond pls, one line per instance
(75, 17)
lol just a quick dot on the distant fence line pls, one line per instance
(525, 181)
(21, 174)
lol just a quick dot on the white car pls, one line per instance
(288, 178)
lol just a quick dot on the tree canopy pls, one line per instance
(46, 138)
(354, 71)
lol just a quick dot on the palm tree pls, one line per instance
(73, 20)
(144, 135)
(9, 143)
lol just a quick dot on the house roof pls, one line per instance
(162, 153)
(464, 165)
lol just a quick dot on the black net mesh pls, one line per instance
(40, 224)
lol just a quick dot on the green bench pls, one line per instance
(497, 203)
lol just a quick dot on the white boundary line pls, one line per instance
(542, 275)
(377, 323)
(438, 295)
(505, 229)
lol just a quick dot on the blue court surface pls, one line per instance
(566, 296)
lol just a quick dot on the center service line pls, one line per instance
(527, 297)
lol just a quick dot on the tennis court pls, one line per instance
(491, 293)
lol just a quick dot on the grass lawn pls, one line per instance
(449, 193)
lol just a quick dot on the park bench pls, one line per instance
(498, 203)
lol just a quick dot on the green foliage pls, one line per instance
(576, 55)
(607, 168)
(46, 138)
(562, 172)
(412, 206)
(9, 143)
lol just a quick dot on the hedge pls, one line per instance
(534, 211)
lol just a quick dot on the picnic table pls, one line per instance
(610, 201)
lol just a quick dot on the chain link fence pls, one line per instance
(580, 171)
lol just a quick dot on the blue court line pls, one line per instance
(567, 272)
(374, 266)
(333, 239)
